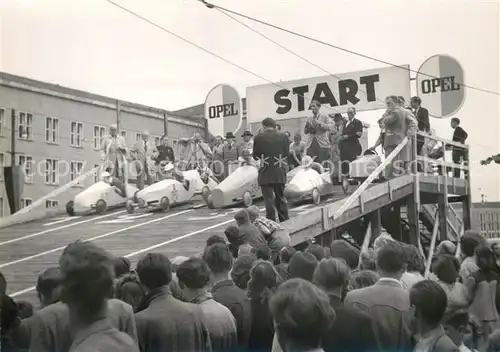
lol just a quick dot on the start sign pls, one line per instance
(223, 110)
(365, 90)
(440, 85)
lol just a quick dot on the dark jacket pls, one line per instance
(352, 330)
(422, 116)
(165, 153)
(350, 148)
(168, 324)
(459, 136)
(262, 331)
(272, 147)
(227, 293)
(251, 235)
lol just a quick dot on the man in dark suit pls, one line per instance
(349, 145)
(458, 154)
(422, 116)
(272, 148)
(353, 329)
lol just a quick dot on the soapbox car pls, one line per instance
(363, 166)
(309, 181)
(108, 193)
(179, 188)
(241, 186)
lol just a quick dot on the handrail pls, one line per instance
(370, 179)
(443, 140)
(432, 247)
(55, 192)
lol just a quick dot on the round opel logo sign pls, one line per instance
(440, 82)
(223, 110)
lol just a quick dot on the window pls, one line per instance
(25, 126)
(2, 161)
(75, 171)
(51, 203)
(51, 171)
(138, 137)
(157, 140)
(123, 134)
(1, 207)
(51, 129)
(2, 122)
(99, 133)
(26, 162)
(76, 134)
(97, 173)
(26, 202)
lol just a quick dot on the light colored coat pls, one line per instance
(110, 155)
(398, 124)
(321, 125)
(144, 154)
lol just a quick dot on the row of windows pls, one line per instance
(76, 135)
(25, 202)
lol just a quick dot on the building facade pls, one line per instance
(56, 134)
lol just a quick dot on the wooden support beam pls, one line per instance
(397, 217)
(466, 209)
(413, 218)
(376, 224)
(443, 216)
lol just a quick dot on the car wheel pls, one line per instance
(101, 206)
(247, 199)
(316, 196)
(164, 204)
(70, 208)
(205, 192)
(210, 203)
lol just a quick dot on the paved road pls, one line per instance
(28, 249)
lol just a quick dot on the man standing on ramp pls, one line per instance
(271, 149)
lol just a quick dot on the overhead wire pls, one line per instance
(289, 31)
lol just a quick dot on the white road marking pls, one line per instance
(14, 240)
(214, 215)
(303, 206)
(61, 220)
(162, 244)
(123, 219)
(50, 251)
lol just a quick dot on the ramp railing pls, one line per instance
(354, 197)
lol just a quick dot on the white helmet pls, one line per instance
(169, 167)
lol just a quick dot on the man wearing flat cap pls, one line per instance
(271, 148)
(114, 154)
(144, 152)
(247, 143)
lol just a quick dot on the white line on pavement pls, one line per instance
(61, 220)
(14, 240)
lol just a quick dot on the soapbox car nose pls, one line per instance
(292, 192)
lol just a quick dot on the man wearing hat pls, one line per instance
(272, 148)
(230, 154)
(247, 143)
(143, 153)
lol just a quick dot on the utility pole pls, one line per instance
(165, 123)
(118, 111)
(13, 138)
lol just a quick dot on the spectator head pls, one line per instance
(414, 260)
(194, 277)
(3, 284)
(48, 286)
(315, 106)
(391, 261)
(363, 278)
(269, 122)
(215, 239)
(122, 266)
(242, 217)
(302, 265)
(446, 247)
(219, 259)
(455, 122)
(302, 314)
(368, 260)
(128, 289)
(253, 212)
(9, 315)
(344, 250)
(240, 273)
(391, 102)
(262, 251)
(381, 241)
(245, 249)
(87, 274)
(155, 271)
(177, 261)
(457, 326)
(286, 254)
(415, 102)
(428, 303)
(332, 275)
(446, 268)
(264, 279)
(470, 240)
(297, 137)
(316, 250)
(485, 258)
(25, 309)
(232, 233)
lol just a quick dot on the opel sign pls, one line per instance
(440, 82)
(223, 110)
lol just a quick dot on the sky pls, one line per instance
(94, 46)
